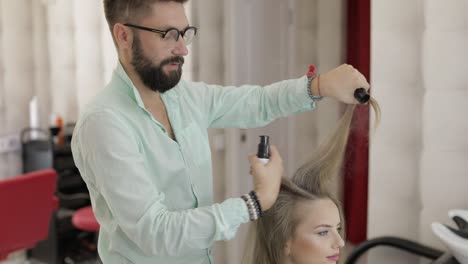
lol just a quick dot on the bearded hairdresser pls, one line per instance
(142, 147)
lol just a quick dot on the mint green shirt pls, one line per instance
(152, 195)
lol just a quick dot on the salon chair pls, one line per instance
(456, 240)
(26, 205)
(84, 219)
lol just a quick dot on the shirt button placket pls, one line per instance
(188, 162)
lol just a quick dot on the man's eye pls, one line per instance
(172, 35)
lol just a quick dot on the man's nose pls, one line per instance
(180, 49)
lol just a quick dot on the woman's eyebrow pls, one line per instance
(328, 226)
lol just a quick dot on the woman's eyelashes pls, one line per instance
(323, 233)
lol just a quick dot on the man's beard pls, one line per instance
(152, 75)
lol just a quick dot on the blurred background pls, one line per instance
(55, 55)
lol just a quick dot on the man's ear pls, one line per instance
(123, 36)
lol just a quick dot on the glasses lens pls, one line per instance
(189, 35)
(172, 35)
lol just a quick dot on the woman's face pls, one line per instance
(316, 239)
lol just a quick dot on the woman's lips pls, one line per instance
(334, 258)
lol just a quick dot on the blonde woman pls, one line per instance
(305, 225)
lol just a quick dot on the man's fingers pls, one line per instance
(274, 153)
(253, 160)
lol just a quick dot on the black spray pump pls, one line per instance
(361, 95)
(263, 152)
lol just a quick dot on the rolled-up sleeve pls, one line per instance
(251, 105)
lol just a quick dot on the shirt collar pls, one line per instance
(133, 91)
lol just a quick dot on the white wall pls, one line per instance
(444, 166)
(418, 155)
(82, 54)
(60, 51)
(22, 58)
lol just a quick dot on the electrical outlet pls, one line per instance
(10, 143)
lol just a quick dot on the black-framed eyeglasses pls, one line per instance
(171, 34)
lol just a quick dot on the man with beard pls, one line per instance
(142, 145)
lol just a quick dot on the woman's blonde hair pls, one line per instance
(310, 182)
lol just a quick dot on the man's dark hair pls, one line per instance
(129, 11)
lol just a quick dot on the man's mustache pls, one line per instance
(175, 59)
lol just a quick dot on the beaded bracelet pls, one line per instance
(311, 74)
(257, 202)
(253, 205)
(250, 208)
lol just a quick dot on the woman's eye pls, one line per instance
(323, 233)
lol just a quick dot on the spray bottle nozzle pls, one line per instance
(264, 140)
(264, 147)
(361, 95)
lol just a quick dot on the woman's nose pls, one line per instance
(339, 242)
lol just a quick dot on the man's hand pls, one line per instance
(267, 178)
(340, 83)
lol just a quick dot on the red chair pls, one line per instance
(26, 205)
(84, 219)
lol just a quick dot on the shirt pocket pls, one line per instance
(195, 144)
